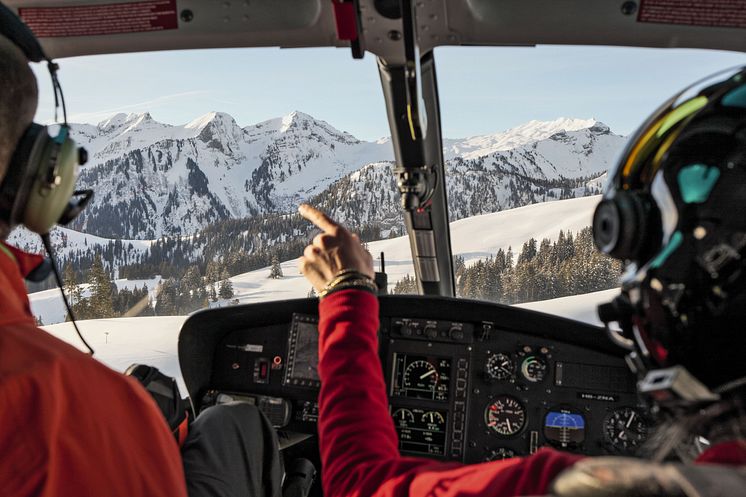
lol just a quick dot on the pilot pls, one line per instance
(673, 209)
(68, 424)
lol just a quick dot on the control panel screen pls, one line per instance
(421, 377)
(421, 431)
(303, 352)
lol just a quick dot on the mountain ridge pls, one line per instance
(154, 179)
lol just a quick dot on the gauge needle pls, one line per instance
(432, 371)
(510, 428)
(629, 422)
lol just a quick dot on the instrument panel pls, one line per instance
(467, 381)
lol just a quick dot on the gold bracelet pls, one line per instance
(362, 283)
(345, 275)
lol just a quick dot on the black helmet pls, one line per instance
(674, 209)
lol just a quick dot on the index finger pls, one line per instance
(317, 217)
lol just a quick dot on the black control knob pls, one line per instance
(431, 331)
(406, 330)
(456, 333)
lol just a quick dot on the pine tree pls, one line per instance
(406, 286)
(275, 272)
(72, 290)
(101, 301)
(166, 303)
(226, 289)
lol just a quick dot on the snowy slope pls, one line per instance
(473, 238)
(121, 342)
(67, 242)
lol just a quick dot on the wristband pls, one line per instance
(348, 282)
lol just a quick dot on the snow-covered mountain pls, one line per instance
(565, 164)
(154, 179)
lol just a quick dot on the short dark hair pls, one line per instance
(18, 98)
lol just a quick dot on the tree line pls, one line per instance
(96, 296)
(570, 265)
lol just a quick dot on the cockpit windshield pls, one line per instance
(200, 158)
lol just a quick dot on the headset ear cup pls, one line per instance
(47, 201)
(621, 225)
(606, 226)
(22, 169)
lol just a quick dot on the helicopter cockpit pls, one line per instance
(467, 380)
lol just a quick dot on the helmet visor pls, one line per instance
(648, 145)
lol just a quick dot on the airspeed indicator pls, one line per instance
(505, 416)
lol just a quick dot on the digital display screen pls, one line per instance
(303, 353)
(421, 377)
(421, 431)
(564, 428)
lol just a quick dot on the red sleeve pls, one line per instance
(359, 447)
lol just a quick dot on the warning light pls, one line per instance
(277, 360)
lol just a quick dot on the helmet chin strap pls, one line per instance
(666, 389)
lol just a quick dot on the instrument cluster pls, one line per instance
(459, 388)
(528, 395)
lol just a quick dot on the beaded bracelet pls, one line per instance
(346, 275)
(349, 280)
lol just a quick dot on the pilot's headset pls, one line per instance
(38, 190)
(673, 209)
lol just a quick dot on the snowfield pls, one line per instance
(473, 238)
(121, 342)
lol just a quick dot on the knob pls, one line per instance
(456, 334)
(405, 330)
(431, 331)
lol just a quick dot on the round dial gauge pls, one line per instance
(433, 418)
(500, 367)
(625, 429)
(506, 416)
(421, 375)
(534, 368)
(403, 416)
(499, 454)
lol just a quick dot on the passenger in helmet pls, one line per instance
(674, 211)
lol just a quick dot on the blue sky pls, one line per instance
(482, 90)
